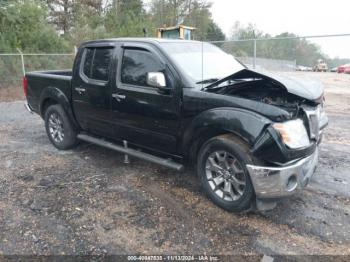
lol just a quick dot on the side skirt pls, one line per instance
(132, 152)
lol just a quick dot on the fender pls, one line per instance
(56, 94)
(243, 123)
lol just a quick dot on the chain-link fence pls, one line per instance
(13, 66)
(310, 53)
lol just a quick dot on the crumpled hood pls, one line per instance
(305, 88)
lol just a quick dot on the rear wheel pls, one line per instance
(222, 170)
(59, 128)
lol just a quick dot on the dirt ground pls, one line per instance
(10, 94)
(87, 202)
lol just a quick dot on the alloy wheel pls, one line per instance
(56, 128)
(225, 175)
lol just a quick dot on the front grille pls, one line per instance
(313, 117)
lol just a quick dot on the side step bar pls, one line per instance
(132, 152)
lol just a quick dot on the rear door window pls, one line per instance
(101, 64)
(97, 63)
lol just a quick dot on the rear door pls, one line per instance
(142, 114)
(91, 90)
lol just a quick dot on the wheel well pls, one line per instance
(45, 105)
(202, 137)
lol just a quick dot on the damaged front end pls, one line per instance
(287, 149)
(303, 100)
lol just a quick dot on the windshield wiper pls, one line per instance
(208, 81)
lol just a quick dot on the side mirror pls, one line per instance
(156, 79)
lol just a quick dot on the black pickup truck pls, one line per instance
(252, 137)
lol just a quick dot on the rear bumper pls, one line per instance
(277, 182)
(27, 106)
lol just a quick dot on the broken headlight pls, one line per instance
(293, 133)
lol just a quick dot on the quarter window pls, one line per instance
(136, 64)
(97, 63)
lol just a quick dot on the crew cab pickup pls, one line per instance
(252, 137)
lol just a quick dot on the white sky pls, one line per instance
(302, 17)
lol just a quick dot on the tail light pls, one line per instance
(25, 86)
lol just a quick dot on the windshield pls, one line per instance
(202, 61)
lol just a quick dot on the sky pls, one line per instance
(302, 17)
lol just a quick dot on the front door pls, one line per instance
(91, 91)
(142, 114)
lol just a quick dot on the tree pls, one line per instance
(290, 48)
(194, 13)
(126, 18)
(170, 12)
(241, 32)
(61, 14)
(214, 32)
(199, 16)
(66, 14)
(23, 25)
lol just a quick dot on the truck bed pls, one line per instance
(44, 81)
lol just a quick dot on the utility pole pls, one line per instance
(161, 12)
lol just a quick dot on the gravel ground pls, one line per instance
(87, 202)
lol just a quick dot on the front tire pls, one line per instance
(59, 128)
(221, 166)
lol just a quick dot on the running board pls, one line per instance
(132, 152)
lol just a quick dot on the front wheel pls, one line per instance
(221, 166)
(59, 128)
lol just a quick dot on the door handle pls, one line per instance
(80, 90)
(118, 97)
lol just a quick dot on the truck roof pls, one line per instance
(139, 39)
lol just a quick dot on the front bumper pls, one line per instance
(277, 182)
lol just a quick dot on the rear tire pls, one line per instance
(221, 166)
(59, 128)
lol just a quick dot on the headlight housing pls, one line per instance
(293, 133)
